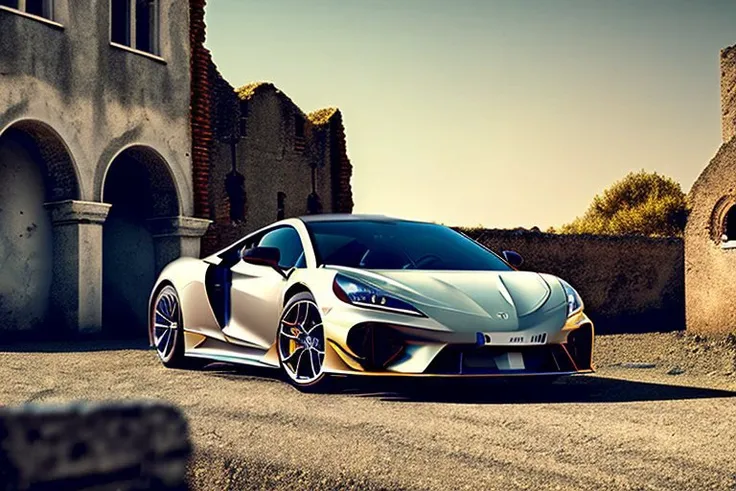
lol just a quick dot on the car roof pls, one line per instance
(344, 217)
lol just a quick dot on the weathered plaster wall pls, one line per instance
(91, 101)
(728, 92)
(25, 242)
(710, 282)
(99, 98)
(628, 284)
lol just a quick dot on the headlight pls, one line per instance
(362, 295)
(574, 302)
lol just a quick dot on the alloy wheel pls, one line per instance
(166, 323)
(301, 342)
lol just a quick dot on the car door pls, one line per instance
(257, 291)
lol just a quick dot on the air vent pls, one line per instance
(539, 338)
(517, 339)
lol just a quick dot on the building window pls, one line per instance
(120, 22)
(235, 188)
(146, 26)
(41, 8)
(280, 205)
(729, 228)
(142, 35)
(243, 126)
(299, 138)
(314, 204)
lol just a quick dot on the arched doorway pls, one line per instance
(140, 187)
(35, 168)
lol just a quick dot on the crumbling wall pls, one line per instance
(278, 149)
(728, 92)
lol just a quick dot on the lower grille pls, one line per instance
(474, 360)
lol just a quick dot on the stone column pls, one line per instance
(76, 286)
(175, 237)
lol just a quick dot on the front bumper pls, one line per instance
(376, 348)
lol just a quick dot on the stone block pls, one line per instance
(100, 446)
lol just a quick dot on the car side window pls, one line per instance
(287, 241)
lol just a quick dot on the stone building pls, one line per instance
(270, 160)
(111, 161)
(710, 236)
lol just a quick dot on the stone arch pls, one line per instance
(723, 220)
(175, 172)
(151, 168)
(36, 167)
(56, 162)
(140, 186)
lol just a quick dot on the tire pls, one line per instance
(300, 344)
(167, 330)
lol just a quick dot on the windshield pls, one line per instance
(399, 245)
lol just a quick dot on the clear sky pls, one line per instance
(503, 113)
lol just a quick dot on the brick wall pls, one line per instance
(628, 284)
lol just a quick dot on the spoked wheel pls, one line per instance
(168, 337)
(301, 342)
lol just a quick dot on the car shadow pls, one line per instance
(579, 389)
(230, 371)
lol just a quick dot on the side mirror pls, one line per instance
(513, 258)
(264, 256)
(261, 256)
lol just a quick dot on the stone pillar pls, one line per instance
(175, 237)
(76, 286)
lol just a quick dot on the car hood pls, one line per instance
(475, 300)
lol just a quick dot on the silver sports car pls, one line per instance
(368, 295)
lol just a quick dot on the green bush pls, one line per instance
(641, 203)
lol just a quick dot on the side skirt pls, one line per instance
(199, 346)
(239, 360)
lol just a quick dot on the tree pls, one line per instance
(641, 203)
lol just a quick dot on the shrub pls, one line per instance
(641, 203)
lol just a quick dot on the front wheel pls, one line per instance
(301, 343)
(167, 329)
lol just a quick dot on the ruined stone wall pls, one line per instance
(710, 282)
(728, 92)
(272, 158)
(628, 284)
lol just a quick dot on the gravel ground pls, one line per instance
(633, 425)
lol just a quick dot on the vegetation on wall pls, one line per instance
(641, 203)
(322, 116)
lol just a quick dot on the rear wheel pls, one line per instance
(301, 343)
(167, 329)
